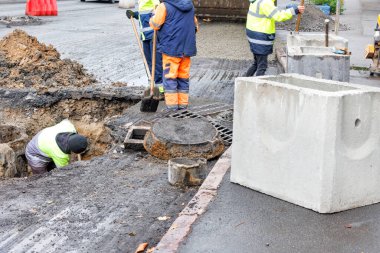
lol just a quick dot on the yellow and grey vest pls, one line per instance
(261, 24)
(48, 145)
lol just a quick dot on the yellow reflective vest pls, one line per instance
(48, 144)
(145, 12)
(261, 24)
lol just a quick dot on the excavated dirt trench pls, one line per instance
(38, 89)
(87, 114)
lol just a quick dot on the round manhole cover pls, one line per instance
(191, 138)
(184, 131)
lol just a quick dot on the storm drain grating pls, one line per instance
(224, 132)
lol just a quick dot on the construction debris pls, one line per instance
(311, 21)
(25, 62)
(20, 21)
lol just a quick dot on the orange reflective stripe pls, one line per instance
(173, 63)
(159, 17)
(184, 67)
(183, 99)
(171, 99)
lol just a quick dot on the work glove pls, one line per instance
(301, 9)
(295, 8)
(130, 14)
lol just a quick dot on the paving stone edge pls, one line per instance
(181, 227)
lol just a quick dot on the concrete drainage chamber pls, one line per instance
(13, 140)
(192, 138)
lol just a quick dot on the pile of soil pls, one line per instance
(25, 62)
(20, 21)
(312, 20)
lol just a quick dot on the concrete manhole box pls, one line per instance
(308, 55)
(192, 138)
(12, 148)
(312, 142)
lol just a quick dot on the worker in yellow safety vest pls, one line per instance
(144, 13)
(52, 147)
(261, 30)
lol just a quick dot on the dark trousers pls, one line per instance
(40, 170)
(259, 66)
(148, 51)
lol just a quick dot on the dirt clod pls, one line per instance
(25, 62)
(313, 20)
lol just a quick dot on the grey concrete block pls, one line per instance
(186, 171)
(312, 142)
(308, 55)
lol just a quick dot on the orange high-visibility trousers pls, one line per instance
(176, 76)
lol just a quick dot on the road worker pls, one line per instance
(261, 30)
(176, 24)
(143, 14)
(52, 146)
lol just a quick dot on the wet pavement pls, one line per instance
(242, 220)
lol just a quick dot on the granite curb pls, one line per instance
(181, 227)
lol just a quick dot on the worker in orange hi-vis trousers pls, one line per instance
(176, 25)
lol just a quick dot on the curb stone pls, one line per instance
(181, 227)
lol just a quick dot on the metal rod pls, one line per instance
(327, 32)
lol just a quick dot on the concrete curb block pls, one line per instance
(181, 227)
(281, 58)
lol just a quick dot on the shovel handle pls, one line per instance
(141, 48)
(299, 17)
(153, 62)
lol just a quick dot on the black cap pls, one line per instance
(77, 143)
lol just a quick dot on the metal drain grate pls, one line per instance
(225, 133)
(210, 109)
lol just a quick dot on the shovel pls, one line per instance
(141, 48)
(150, 101)
(299, 17)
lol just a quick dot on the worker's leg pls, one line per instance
(262, 64)
(38, 170)
(147, 46)
(252, 70)
(170, 74)
(183, 82)
(37, 165)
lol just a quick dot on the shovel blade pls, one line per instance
(149, 104)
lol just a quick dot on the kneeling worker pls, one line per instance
(52, 146)
(261, 31)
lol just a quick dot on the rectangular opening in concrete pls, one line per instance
(314, 85)
(135, 138)
(317, 50)
(138, 134)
